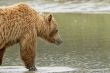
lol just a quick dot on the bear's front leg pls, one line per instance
(28, 52)
(28, 56)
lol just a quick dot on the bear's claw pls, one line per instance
(32, 68)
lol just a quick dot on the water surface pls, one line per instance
(86, 44)
(62, 6)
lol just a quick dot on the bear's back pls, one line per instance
(15, 20)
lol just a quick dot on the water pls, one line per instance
(58, 6)
(85, 30)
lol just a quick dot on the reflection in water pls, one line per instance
(20, 69)
(30, 72)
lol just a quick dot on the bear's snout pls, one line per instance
(58, 42)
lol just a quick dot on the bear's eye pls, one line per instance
(55, 30)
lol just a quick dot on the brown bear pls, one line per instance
(21, 24)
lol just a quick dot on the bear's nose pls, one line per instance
(59, 41)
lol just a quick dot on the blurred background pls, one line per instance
(64, 5)
(84, 26)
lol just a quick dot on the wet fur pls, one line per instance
(21, 24)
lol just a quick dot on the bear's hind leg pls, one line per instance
(28, 53)
(1, 54)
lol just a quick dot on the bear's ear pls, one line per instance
(49, 17)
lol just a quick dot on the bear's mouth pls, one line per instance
(54, 41)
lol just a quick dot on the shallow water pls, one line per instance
(86, 39)
(21, 69)
(86, 45)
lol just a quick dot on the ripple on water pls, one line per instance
(9, 69)
(70, 6)
(21, 69)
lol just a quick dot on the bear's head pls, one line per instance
(49, 30)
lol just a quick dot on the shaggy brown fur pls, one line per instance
(21, 24)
